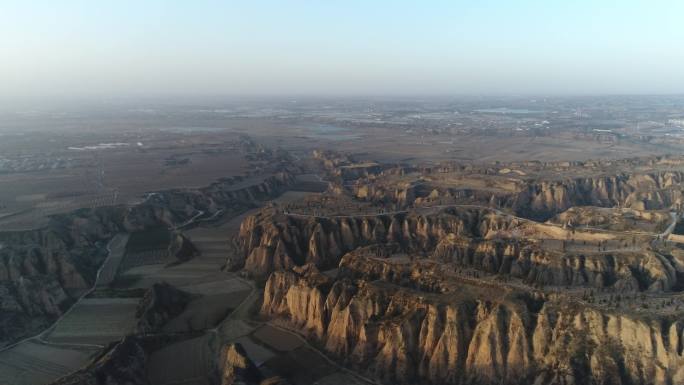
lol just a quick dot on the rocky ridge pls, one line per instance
(42, 271)
(461, 237)
(408, 336)
(538, 199)
(124, 363)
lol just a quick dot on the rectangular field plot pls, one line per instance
(204, 313)
(33, 363)
(215, 248)
(302, 366)
(148, 240)
(200, 235)
(213, 245)
(185, 362)
(147, 247)
(213, 242)
(110, 268)
(194, 272)
(340, 378)
(144, 258)
(219, 233)
(212, 254)
(206, 233)
(256, 352)
(309, 183)
(277, 339)
(96, 321)
(224, 286)
(234, 329)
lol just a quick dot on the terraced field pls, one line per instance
(205, 312)
(257, 352)
(35, 363)
(277, 352)
(339, 378)
(277, 339)
(186, 274)
(302, 366)
(145, 258)
(213, 245)
(228, 285)
(136, 262)
(192, 362)
(221, 291)
(145, 248)
(95, 321)
(110, 268)
(147, 240)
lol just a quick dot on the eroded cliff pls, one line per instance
(43, 271)
(477, 238)
(538, 199)
(473, 336)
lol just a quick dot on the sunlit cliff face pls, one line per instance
(406, 336)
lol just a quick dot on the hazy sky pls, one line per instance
(121, 47)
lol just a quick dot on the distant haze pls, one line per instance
(123, 47)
